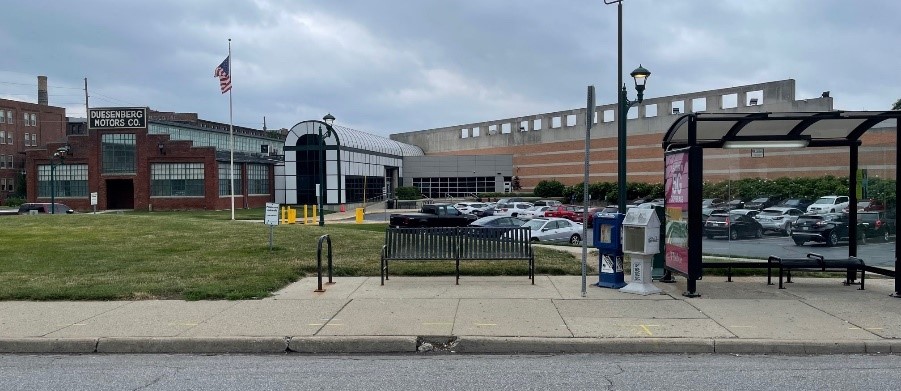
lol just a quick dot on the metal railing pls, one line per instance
(328, 240)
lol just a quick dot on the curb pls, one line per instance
(438, 345)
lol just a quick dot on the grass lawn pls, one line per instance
(198, 255)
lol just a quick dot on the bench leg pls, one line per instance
(788, 276)
(863, 277)
(729, 274)
(769, 275)
(384, 269)
(780, 277)
(458, 271)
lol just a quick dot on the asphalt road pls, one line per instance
(449, 372)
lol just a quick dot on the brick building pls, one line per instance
(157, 166)
(551, 146)
(25, 126)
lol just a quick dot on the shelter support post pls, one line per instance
(897, 191)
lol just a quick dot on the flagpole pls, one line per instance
(231, 134)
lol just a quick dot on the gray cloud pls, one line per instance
(394, 66)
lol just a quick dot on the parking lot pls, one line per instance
(873, 253)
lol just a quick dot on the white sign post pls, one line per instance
(271, 219)
(94, 201)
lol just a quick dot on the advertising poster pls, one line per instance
(676, 192)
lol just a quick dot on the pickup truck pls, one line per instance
(435, 215)
(569, 212)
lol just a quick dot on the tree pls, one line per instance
(549, 189)
(897, 105)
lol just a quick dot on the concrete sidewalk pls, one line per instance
(481, 315)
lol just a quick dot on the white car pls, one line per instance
(778, 219)
(829, 204)
(533, 212)
(554, 230)
(470, 207)
(513, 209)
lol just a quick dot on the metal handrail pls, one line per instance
(319, 261)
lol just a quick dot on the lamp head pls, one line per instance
(640, 75)
(329, 119)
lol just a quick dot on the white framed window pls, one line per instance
(9, 117)
(34, 139)
(9, 137)
(27, 140)
(2, 135)
(25, 117)
(2, 116)
(34, 119)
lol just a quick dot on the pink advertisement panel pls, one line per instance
(676, 190)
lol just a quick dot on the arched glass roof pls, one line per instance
(351, 138)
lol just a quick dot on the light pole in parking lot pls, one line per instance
(641, 77)
(61, 155)
(329, 119)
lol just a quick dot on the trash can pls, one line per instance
(391, 204)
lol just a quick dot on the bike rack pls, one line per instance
(319, 261)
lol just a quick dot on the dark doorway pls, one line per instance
(120, 194)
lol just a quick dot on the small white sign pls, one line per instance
(756, 152)
(94, 198)
(271, 213)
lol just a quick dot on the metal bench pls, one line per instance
(457, 244)
(817, 263)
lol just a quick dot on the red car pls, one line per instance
(569, 212)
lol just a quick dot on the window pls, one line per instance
(2, 135)
(27, 140)
(176, 180)
(70, 180)
(25, 116)
(118, 150)
(9, 137)
(9, 117)
(34, 139)
(257, 179)
(2, 116)
(2, 161)
(225, 179)
(34, 119)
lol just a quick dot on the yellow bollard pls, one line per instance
(284, 212)
(359, 215)
(292, 216)
(315, 215)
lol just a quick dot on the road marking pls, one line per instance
(485, 324)
(741, 327)
(646, 329)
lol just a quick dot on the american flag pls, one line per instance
(225, 77)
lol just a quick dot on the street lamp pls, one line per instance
(61, 155)
(329, 119)
(640, 75)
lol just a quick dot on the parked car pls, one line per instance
(44, 207)
(498, 222)
(875, 225)
(510, 200)
(871, 205)
(829, 228)
(511, 209)
(778, 219)
(547, 203)
(761, 203)
(470, 207)
(592, 212)
(434, 215)
(488, 210)
(533, 212)
(752, 213)
(713, 203)
(737, 203)
(797, 203)
(828, 204)
(570, 212)
(555, 230)
(706, 212)
(732, 225)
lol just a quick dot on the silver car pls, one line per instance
(778, 219)
(554, 230)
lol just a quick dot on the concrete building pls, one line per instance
(24, 126)
(551, 146)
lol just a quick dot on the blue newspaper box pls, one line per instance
(608, 241)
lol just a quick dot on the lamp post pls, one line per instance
(641, 77)
(329, 119)
(61, 155)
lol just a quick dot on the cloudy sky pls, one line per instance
(400, 65)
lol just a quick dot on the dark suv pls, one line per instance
(733, 225)
(829, 228)
(44, 207)
(761, 202)
(875, 225)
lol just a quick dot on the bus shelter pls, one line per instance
(687, 138)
